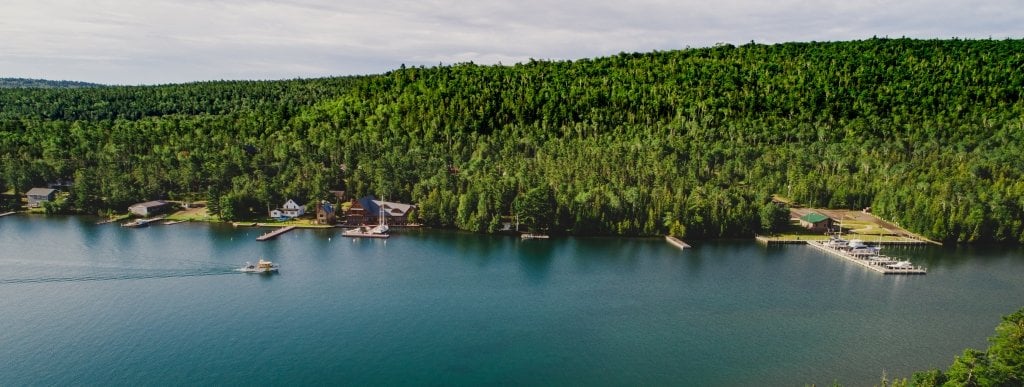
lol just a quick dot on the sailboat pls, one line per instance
(378, 231)
(382, 224)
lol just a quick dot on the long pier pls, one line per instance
(775, 241)
(275, 233)
(770, 241)
(880, 266)
(8, 213)
(676, 242)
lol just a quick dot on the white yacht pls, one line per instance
(836, 242)
(901, 265)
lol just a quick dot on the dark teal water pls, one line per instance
(82, 304)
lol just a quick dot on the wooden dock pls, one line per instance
(769, 241)
(8, 213)
(876, 265)
(275, 233)
(676, 242)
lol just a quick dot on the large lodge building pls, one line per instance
(367, 210)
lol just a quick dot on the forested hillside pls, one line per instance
(692, 142)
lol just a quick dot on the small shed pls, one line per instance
(149, 208)
(816, 222)
(37, 196)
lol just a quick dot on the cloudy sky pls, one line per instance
(165, 41)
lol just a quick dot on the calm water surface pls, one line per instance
(87, 304)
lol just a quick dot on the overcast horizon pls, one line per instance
(163, 41)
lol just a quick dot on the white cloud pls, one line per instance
(159, 41)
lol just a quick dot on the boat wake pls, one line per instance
(116, 276)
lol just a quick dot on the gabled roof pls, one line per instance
(326, 206)
(150, 204)
(40, 191)
(369, 205)
(814, 217)
(372, 206)
(394, 208)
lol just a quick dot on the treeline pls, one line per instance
(693, 142)
(43, 83)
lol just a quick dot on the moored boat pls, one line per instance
(534, 236)
(901, 265)
(366, 232)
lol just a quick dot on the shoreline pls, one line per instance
(756, 238)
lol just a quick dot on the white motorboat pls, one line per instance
(901, 265)
(534, 236)
(836, 242)
(857, 243)
(260, 267)
(365, 232)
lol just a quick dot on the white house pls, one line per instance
(288, 210)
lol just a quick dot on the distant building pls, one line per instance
(289, 210)
(816, 222)
(339, 196)
(326, 213)
(37, 196)
(149, 208)
(367, 210)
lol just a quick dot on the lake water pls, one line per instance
(99, 304)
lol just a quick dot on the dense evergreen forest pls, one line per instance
(929, 133)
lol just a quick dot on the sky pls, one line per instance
(173, 41)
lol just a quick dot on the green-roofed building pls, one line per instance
(816, 222)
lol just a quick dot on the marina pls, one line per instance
(275, 233)
(772, 241)
(868, 257)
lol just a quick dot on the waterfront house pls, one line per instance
(149, 208)
(37, 196)
(325, 213)
(816, 222)
(290, 209)
(367, 210)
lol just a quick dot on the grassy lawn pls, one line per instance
(305, 223)
(194, 214)
(852, 229)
